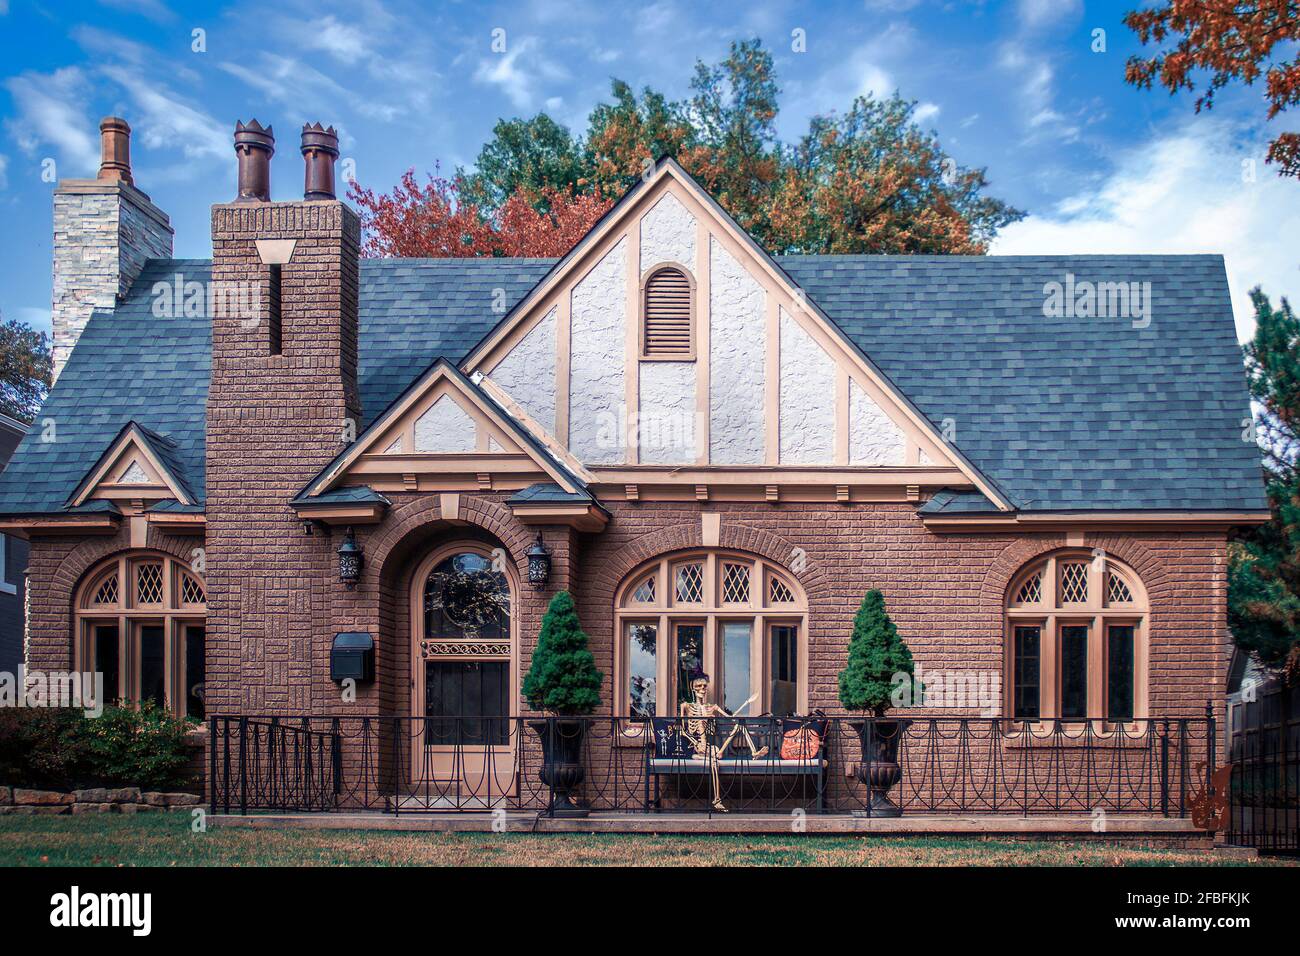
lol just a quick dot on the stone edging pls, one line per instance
(21, 800)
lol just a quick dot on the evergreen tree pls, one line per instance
(876, 654)
(1264, 562)
(563, 678)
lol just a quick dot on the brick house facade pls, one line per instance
(666, 403)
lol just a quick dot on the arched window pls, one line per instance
(668, 314)
(740, 618)
(1077, 640)
(140, 623)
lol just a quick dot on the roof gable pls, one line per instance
(138, 464)
(444, 424)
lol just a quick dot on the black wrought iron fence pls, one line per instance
(747, 765)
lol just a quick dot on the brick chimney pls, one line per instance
(104, 231)
(282, 400)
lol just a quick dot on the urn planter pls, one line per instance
(562, 768)
(879, 768)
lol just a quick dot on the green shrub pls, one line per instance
(563, 678)
(123, 747)
(876, 655)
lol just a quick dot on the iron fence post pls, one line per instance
(243, 766)
(1182, 766)
(1164, 769)
(212, 764)
(397, 767)
(1211, 731)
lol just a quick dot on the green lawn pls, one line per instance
(166, 840)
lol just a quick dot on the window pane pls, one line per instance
(642, 641)
(465, 597)
(1025, 693)
(690, 657)
(783, 695)
(1074, 672)
(194, 671)
(153, 665)
(1119, 673)
(736, 687)
(106, 661)
(467, 701)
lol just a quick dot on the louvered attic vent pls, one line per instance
(667, 328)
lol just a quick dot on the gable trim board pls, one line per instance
(131, 468)
(789, 312)
(522, 459)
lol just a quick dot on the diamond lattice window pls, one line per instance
(645, 591)
(735, 583)
(149, 584)
(690, 584)
(1031, 592)
(1117, 591)
(1074, 582)
(778, 592)
(107, 593)
(191, 591)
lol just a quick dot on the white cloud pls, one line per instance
(38, 318)
(925, 112)
(4, 169)
(48, 113)
(518, 72)
(1038, 13)
(164, 121)
(4, 7)
(1181, 192)
(342, 41)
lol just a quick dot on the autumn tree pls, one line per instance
(867, 181)
(1225, 40)
(528, 156)
(25, 368)
(872, 181)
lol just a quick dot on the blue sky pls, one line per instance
(1014, 86)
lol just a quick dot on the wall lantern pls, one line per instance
(350, 561)
(539, 563)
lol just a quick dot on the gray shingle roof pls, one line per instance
(1059, 413)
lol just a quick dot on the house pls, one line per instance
(321, 502)
(13, 562)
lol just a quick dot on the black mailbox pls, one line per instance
(352, 656)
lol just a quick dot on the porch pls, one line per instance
(968, 775)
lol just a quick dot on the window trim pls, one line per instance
(690, 354)
(130, 617)
(665, 613)
(1051, 615)
(6, 586)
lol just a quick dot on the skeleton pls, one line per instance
(698, 711)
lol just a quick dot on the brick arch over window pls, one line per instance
(735, 537)
(1140, 558)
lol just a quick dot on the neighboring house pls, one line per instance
(13, 562)
(1037, 459)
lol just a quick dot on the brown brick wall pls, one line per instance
(273, 422)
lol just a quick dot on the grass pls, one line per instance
(167, 840)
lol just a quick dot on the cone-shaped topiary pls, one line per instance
(876, 655)
(563, 678)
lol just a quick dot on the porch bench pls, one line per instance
(772, 765)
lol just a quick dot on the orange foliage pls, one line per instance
(431, 221)
(1230, 40)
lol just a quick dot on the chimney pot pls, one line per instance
(115, 150)
(254, 145)
(320, 148)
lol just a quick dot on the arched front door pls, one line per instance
(465, 678)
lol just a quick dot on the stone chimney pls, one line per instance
(104, 231)
(282, 403)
